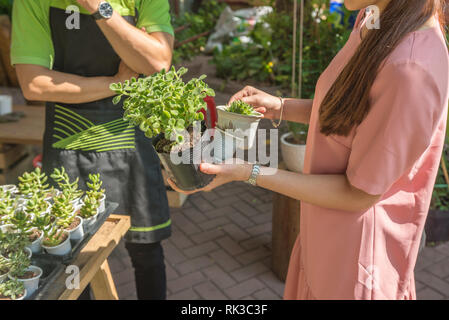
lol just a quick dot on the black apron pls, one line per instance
(94, 138)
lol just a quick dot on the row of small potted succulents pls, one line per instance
(166, 108)
(34, 216)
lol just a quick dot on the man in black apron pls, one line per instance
(66, 53)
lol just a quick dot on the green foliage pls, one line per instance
(20, 262)
(69, 189)
(5, 265)
(440, 194)
(11, 242)
(22, 220)
(90, 207)
(54, 237)
(202, 21)
(269, 57)
(12, 289)
(6, 7)
(299, 132)
(34, 183)
(94, 184)
(163, 103)
(63, 211)
(36, 205)
(241, 107)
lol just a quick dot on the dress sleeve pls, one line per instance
(406, 106)
(31, 36)
(154, 16)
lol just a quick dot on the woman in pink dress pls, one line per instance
(377, 128)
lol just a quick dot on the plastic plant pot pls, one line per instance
(78, 232)
(32, 284)
(36, 245)
(25, 294)
(102, 207)
(244, 127)
(29, 252)
(61, 249)
(7, 228)
(187, 176)
(89, 222)
(225, 145)
(9, 188)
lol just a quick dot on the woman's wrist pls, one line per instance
(243, 171)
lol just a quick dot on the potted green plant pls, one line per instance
(89, 210)
(33, 183)
(166, 108)
(293, 146)
(57, 242)
(70, 189)
(64, 212)
(40, 224)
(12, 242)
(5, 266)
(12, 290)
(8, 188)
(94, 185)
(23, 271)
(241, 118)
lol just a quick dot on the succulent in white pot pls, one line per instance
(23, 271)
(89, 211)
(12, 290)
(57, 242)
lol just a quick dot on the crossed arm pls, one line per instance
(141, 53)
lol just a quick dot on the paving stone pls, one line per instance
(123, 277)
(266, 294)
(219, 212)
(223, 259)
(428, 294)
(244, 289)
(173, 254)
(235, 232)
(221, 278)
(245, 208)
(185, 282)
(207, 235)
(432, 254)
(231, 246)
(433, 281)
(272, 282)
(262, 218)
(187, 226)
(241, 220)
(214, 223)
(256, 242)
(180, 240)
(249, 271)
(194, 264)
(210, 196)
(224, 201)
(126, 290)
(200, 249)
(187, 294)
(440, 269)
(170, 272)
(195, 215)
(202, 204)
(253, 256)
(419, 285)
(208, 291)
(259, 229)
(249, 199)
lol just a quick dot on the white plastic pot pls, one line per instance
(292, 154)
(29, 252)
(243, 126)
(9, 187)
(225, 145)
(36, 245)
(7, 228)
(25, 294)
(88, 223)
(102, 207)
(61, 249)
(78, 232)
(31, 285)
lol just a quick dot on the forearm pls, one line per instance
(297, 110)
(144, 53)
(327, 191)
(41, 84)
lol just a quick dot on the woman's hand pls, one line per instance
(125, 73)
(225, 173)
(262, 102)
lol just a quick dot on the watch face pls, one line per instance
(105, 10)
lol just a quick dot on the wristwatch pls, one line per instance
(254, 173)
(105, 11)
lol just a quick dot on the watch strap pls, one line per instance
(97, 15)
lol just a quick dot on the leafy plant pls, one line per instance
(6, 211)
(241, 107)
(299, 132)
(33, 183)
(94, 185)
(63, 211)
(36, 205)
(42, 222)
(12, 289)
(5, 265)
(11, 242)
(163, 103)
(54, 237)
(20, 262)
(70, 189)
(89, 208)
(21, 220)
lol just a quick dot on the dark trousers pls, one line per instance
(149, 270)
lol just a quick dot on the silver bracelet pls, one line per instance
(254, 173)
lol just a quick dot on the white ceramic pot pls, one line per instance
(102, 207)
(243, 126)
(31, 285)
(61, 249)
(292, 154)
(36, 245)
(78, 232)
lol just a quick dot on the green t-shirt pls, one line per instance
(31, 34)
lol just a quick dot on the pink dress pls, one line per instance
(395, 152)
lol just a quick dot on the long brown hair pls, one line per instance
(347, 102)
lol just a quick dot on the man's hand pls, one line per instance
(90, 5)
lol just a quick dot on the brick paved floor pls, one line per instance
(221, 249)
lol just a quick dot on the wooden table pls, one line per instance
(93, 264)
(28, 130)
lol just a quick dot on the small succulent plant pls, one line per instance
(241, 107)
